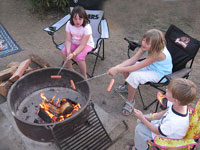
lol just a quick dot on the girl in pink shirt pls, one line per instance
(78, 40)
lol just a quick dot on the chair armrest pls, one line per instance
(56, 26)
(179, 74)
(104, 29)
(183, 73)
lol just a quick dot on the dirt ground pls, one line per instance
(126, 18)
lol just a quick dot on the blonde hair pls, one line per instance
(184, 90)
(157, 40)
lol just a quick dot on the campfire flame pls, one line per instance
(49, 107)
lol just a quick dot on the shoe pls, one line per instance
(128, 107)
(123, 89)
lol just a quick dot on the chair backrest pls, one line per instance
(181, 46)
(194, 125)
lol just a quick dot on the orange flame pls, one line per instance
(57, 104)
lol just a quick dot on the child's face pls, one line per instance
(77, 20)
(146, 45)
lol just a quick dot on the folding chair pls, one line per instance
(97, 21)
(189, 141)
(183, 49)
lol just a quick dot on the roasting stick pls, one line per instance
(62, 66)
(120, 94)
(108, 88)
(90, 78)
(123, 99)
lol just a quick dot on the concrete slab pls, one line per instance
(15, 133)
(12, 139)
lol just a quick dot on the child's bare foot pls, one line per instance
(130, 147)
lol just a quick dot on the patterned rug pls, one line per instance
(7, 45)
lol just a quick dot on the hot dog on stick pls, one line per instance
(110, 85)
(72, 84)
(56, 76)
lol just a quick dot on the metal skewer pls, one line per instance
(97, 76)
(120, 94)
(62, 66)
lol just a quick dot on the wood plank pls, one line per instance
(20, 70)
(7, 73)
(29, 69)
(40, 61)
(4, 88)
(13, 64)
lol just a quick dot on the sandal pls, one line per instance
(123, 89)
(128, 108)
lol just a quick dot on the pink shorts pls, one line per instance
(81, 56)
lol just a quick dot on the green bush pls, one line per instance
(62, 5)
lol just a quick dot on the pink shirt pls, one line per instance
(78, 32)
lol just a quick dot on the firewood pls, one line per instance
(64, 109)
(44, 116)
(13, 64)
(29, 69)
(4, 88)
(38, 60)
(20, 70)
(7, 73)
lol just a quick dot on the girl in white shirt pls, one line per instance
(78, 41)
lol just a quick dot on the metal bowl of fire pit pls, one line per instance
(27, 96)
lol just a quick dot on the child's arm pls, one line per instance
(80, 47)
(133, 59)
(67, 42)
(145, 120)
(82, 44)
(156, 116)
(137, 66)
(146, 62)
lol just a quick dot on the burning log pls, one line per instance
(56, 111)
(43, 114)
(65, 108)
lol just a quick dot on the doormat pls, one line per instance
(7, 45)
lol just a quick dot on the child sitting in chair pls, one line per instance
(79, 40)
(157, 64)
(171, 123)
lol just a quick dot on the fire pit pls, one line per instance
(24, 100)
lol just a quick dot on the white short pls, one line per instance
(141, 76)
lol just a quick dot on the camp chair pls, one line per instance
(183, 49)
(189, 141)
(97, 21)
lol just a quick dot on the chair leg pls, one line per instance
(141, 97)
(97, 56)
(103, 50)
(146, 107)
